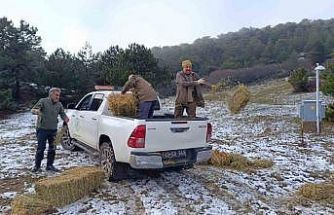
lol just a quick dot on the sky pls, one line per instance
(69, 24)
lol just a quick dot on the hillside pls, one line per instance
(287, 46)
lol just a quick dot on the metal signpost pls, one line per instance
(318, 69)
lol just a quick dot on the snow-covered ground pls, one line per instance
(259, 131)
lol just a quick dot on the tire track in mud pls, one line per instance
(194, 193)
(183, 205)
(253, 199)
(122, 193)
(155, 199)
(209, 182)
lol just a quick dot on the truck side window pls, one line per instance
(84, 104)
(95, 104)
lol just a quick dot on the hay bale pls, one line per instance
(123, 105)
(237, 161)
(70, 186)
(31, 205)
(239, 99)
(318, 192)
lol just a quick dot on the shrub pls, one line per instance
(298, 79)
(328, 77)
(329, 113)
(6, 99)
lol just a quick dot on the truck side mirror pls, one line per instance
(71, 106)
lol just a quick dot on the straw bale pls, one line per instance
(31, 205)
(237, 161)
(239, 99)
(318, 192)
(123, 105)
(70, 186)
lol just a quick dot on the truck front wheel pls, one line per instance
(113, 170)
(66, 140)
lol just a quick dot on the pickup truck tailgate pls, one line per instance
(173, 135)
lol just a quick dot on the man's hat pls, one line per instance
(186, 63)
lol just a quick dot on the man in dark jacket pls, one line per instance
(47, 110)
(145, 93)
(188, 91)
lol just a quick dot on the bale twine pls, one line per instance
(31, 205)
(70, 186)
(123, 105)
(239, 99)
(318, 192)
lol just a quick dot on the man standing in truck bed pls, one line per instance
(188, 91)
(146, 95)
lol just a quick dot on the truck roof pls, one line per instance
(106, 92)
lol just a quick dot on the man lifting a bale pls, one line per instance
(145, 94)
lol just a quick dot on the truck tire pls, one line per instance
(113, 170)
(66, 140)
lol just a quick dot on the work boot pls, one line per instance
(52, 168)
(36, 169)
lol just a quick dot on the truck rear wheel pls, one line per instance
(112, 169)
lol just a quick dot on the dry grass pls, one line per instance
(31, 205)
(318, 192)
(237, 161)
(239, 99)
(271, 92)
(70, 186)
(123, 105)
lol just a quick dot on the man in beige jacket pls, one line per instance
(188, 91)
(145, 93)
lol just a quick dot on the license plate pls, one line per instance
(177, 154)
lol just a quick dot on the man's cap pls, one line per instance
(186, 63)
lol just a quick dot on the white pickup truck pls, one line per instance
(157, 143)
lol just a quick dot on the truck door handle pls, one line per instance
(81, 116)
(179, 130)
(94, 119)
(73, 115)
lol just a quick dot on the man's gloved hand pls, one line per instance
(201, 81)
(36, 111)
